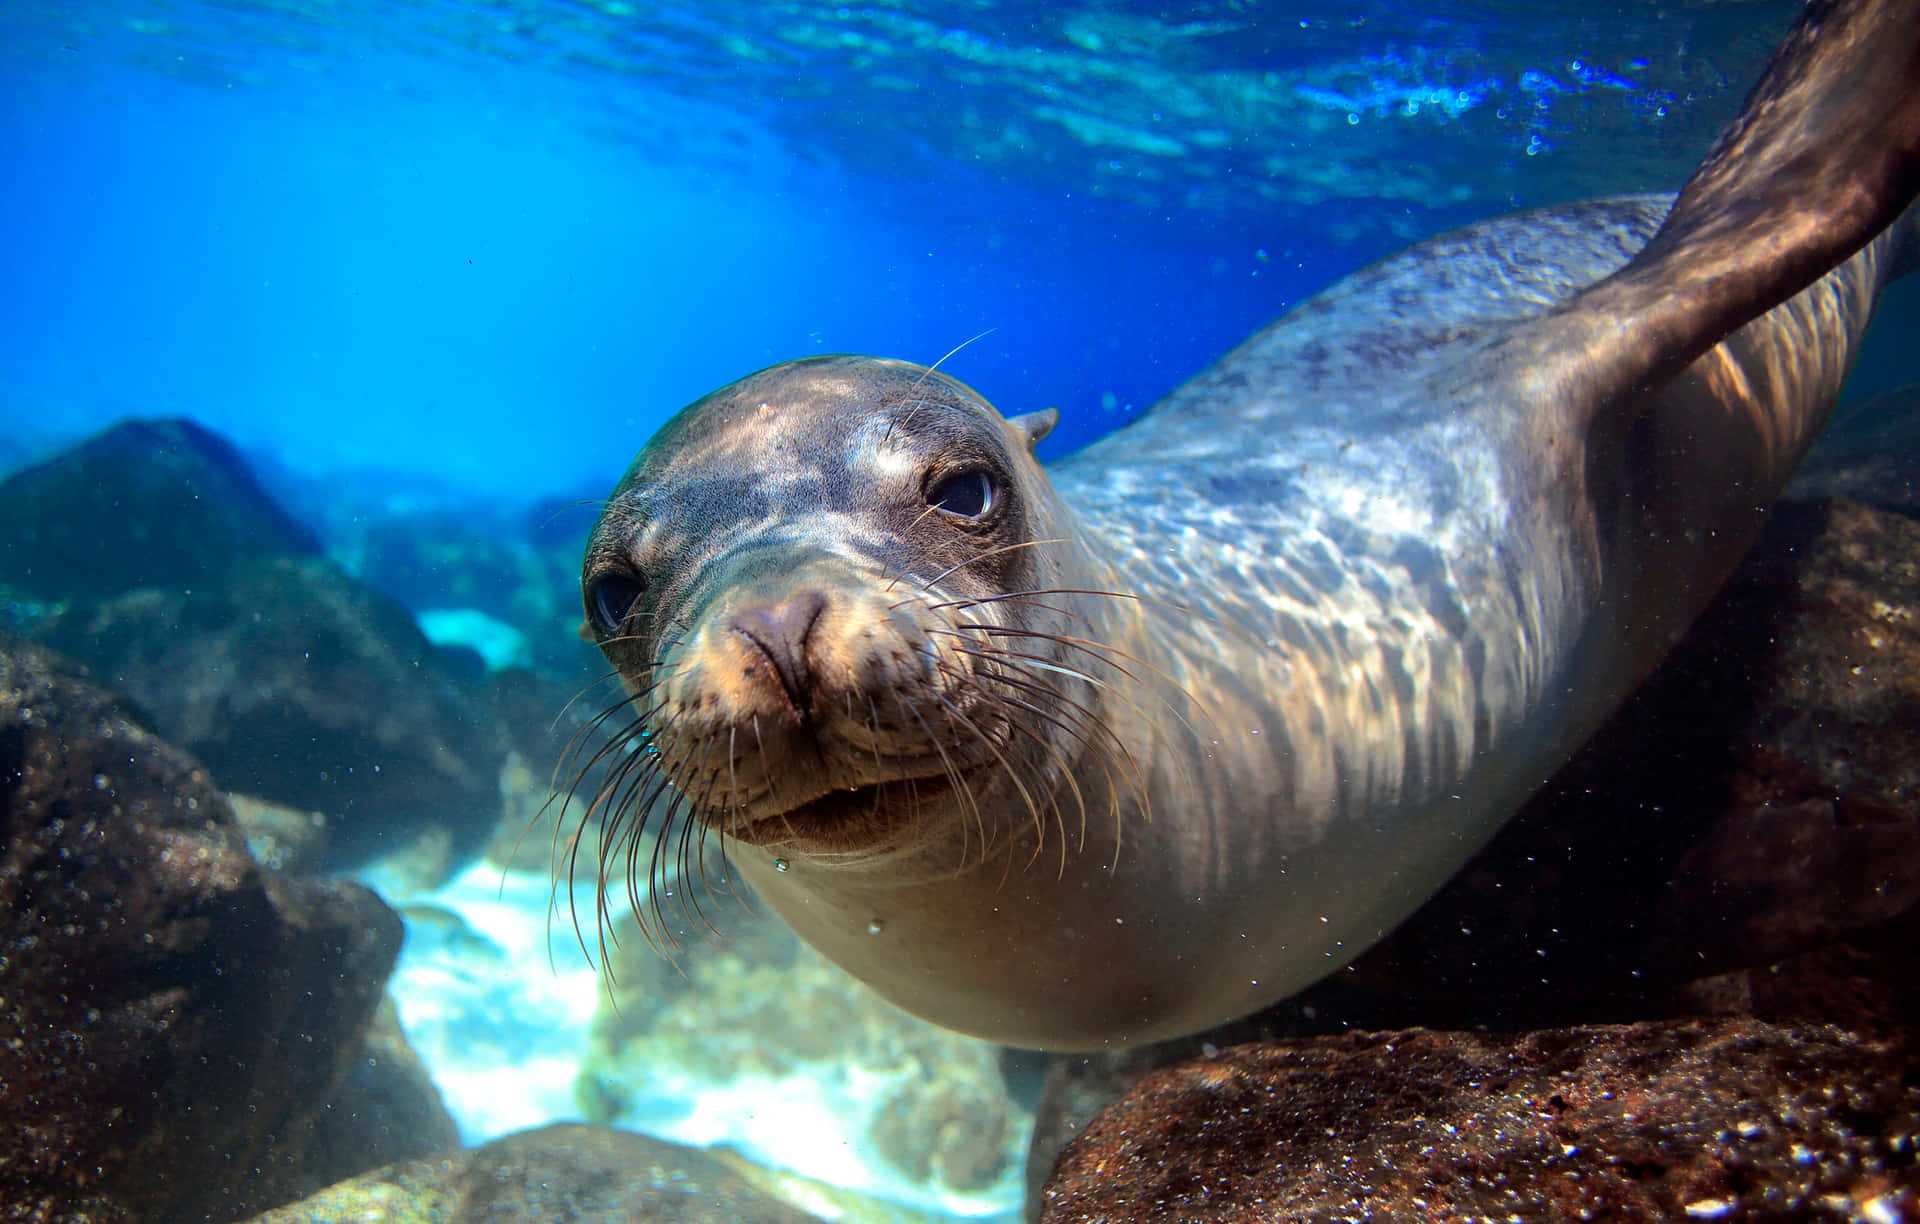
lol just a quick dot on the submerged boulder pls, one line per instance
(151, 554)
(1702, 1119)
(292, 681)
(1758, 798)
(556, 1175)
(146, 503)
(173, 1017)
(1871, 452)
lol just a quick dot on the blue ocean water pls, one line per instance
(495, 244)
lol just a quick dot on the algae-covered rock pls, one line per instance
(174, 1018)
(557, 1175)
(1708, 1119)
(160, 503)
(291, 681)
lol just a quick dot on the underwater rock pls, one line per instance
(444, 559)
(284, 839)
(386, 1109)
(517, 585)
(1871, 452)
(146, 503)
(1757, 798)
(1704, 1119)
(291, 681)
(172, 1015)
(556, 1175)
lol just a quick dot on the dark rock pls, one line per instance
(1734, 1119)
(583, 1173)
(1870, 452)
(144, 504)
(386, 1109)
(556, 1175)
(283, 839)
(448, 559)
(1757, 798)
(295, 683)
(484, 559)
(172, 1015)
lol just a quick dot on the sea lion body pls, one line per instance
(1144, 747)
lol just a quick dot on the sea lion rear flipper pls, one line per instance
(1824, 156)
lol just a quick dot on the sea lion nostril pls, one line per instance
(780, 631)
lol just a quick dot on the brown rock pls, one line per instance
(160, 503)
(1758, 798)
(1871, 451)
(386, 1109)
(291, 681)
(555, 1175)
(172, 1015)
(1727, 1119)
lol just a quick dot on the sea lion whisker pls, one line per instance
(1107, 743)
(991, 552)
(591, 685)
(1088, 718)
(571, 857)
(1013, 775)
(919, 553)
(733, 772)
(577, 742)
(925, 375)
(1106, 654)
(1065, 767)
(681, 833)
(602, 502)
(567, 795)
(649, 915)
(692, 844)
(659, 874)
(993, 650)
(1152, 724)
(1063, 613)
(766, 771)
(1095, 592)
(956, 778)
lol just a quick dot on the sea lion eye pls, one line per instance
(967, 495)
(610, 599)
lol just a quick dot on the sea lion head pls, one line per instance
(836, 592)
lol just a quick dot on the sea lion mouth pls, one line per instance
(846, 818)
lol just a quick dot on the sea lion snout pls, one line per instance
(779, 631)
(795, 695)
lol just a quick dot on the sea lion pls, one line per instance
(1110, 756)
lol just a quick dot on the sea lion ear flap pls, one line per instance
(1036, 425)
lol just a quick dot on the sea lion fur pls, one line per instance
(1123, 750)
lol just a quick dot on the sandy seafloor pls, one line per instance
(498, 1001)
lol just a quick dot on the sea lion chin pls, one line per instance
(1129, 748)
